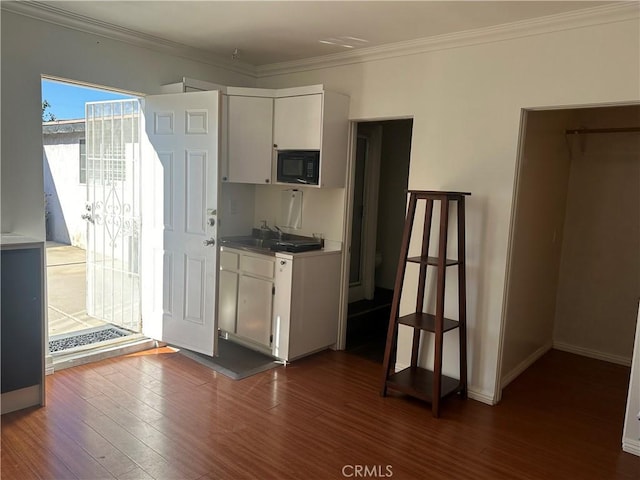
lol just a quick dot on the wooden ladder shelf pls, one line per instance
(427, 385)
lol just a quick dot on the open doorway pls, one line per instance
(379, 203)
(91, 187)
(574, 270)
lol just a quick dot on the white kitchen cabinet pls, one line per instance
(249, 139)
(228, 301)
(297, 122)
(310, 118)
(285, 305)
(306, 304)
(245, 302)
(228, 291)
(255, 304)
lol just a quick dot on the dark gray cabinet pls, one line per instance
(22, 322)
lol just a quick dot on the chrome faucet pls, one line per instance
(265, 227)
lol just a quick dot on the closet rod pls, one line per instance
(584, 131)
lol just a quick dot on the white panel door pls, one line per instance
(179, 205)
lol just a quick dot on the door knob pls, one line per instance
(209, 242)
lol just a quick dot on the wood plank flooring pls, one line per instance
(160, 415)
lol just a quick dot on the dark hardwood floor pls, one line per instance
(162, 415)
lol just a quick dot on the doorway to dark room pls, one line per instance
(381, 177)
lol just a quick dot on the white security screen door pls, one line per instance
(179, 211)
(111, 170)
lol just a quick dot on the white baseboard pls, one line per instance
(480, 396)
(48, 362)
(632, 446)
(588, 352)
(22, 398)
(400, 366)
(526, 363)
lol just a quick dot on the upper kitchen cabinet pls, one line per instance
(248, 131)
(310, 118)
(297, 122)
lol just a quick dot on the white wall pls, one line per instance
(537, 241)
(31, 48)
(236, 215)
(599, 282)
(322, 209)
(466, 105)
(66, 196)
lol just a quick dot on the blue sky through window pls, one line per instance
(67, 100)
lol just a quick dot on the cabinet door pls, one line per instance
(250, 131)
(297, 122)
(255, 302)
(227, 301)
(22, 320)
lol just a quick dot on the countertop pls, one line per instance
(330, 248)
(15, 240)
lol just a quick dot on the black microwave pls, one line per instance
(298, 166)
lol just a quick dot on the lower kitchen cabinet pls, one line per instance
(306, 304)
(228, 300)
(255, 305)
(286, 305)
(245, 297)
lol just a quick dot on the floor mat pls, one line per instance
(85, 337)
(233, 360)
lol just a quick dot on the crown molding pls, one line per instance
(618, 12)
(51, 14)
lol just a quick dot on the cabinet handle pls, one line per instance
(283, 262)
(266, 180)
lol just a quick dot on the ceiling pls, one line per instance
(272, 32)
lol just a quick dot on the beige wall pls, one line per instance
(322, 209)
(31, 48)
(466, 105)
(599, 283)
(536, 241)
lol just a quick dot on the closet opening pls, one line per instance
(573, 277)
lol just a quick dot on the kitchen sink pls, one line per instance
(253, 242)
(261, 245)
(289, 243)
